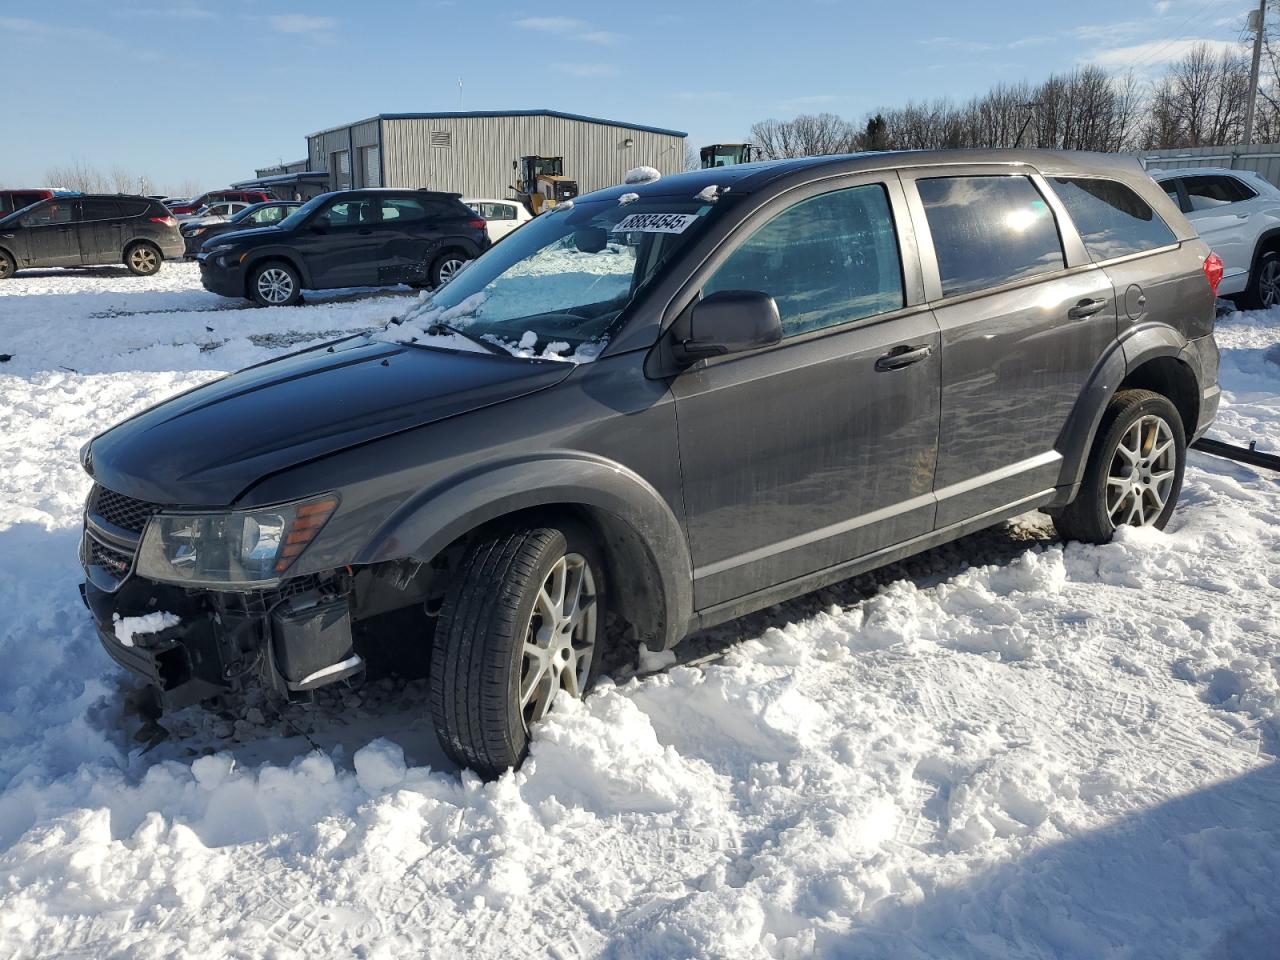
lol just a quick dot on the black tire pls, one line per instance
(143, 259)
(478, 658)
(1264, 283)
(444, 267)
(7, 266)
(275, 284)
(1134, 492)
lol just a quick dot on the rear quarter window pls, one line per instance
(989, 230)
(1113, 221)
(1207, 192)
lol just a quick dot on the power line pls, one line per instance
(1152, 55)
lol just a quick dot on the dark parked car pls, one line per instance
(78, 231)
(268, 214)
(657, 415)
(11, 200)
(182, 208)
(351, 238)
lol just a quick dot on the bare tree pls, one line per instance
(1200, 101)
(692, 159)
(77, 175)
(808, 135)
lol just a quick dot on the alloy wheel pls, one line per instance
(1269, 283)
(1142, 473)
(560, 638)
(275, 285)
(5, 269)
(449, 268)
(143, 259)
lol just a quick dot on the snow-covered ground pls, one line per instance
(1004, 748)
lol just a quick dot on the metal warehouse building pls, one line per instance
(471, 153)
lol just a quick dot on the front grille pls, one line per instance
(121, 511)
(115, 562)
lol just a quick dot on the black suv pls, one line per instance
(350, 238)
(658, 409)
(89, 230)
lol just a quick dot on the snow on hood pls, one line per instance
(628, 198)
(711, 193)
(642, 175)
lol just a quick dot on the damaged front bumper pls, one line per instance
(292, 639)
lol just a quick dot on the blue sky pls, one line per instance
(206, 90)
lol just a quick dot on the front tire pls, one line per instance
(275, 284)
(7, 266)
(143, 259)
(1134, 473)
(521, 626)
(1264, 285)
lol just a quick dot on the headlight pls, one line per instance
(86, 456)
(221, 248)
(250, 548)
(196, 231)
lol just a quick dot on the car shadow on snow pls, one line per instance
(1198, 875)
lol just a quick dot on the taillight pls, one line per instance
(171, 222)
(476, 223)
(1213, 271)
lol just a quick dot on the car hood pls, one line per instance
(206, 447)
(251, 234)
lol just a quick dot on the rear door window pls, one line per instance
(55, 211)
(99, 210)
(1112, 220)
(826, 260)
(1208, 192)
(989, 230)
(403, 210)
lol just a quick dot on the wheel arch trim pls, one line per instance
(429, 521)
(255, 258)
(1138, 346)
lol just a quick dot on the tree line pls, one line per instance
(1199, 100)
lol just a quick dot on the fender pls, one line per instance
(429, 521)
(1264, 238)
(257, 254)
(1135, 347)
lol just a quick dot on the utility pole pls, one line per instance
(1256, 23)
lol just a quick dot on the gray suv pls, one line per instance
(655, 409)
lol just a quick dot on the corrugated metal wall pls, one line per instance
(477, 160)
(1263, 158)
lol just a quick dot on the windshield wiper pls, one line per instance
(440, 327)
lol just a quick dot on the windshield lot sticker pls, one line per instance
(655, 223)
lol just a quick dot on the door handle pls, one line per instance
(1086, 308)
(903, 356)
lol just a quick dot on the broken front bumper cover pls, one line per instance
(293, 644)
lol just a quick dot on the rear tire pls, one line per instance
(522, 624)
(445, 267)
(275, 284)
(1134, 473)
(1263, 291)
(143, 259)
(7, 266)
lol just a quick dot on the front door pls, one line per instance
(340, 245)
(51, 234)
(1020, 334)
(820, 449)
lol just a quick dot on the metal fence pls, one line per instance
(1262, 158)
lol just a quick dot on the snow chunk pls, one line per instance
(628, 198)
(529, 340)
(711, 193)
(642, 175)
(379, 765)
(126, 628)
(212, 770)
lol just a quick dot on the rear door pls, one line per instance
(51, 231)
(405, 239)
(1024, 318)
(99, 231)
(818, 450)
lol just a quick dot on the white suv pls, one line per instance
(1237, 213)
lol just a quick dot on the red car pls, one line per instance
(219, 196)
(11, 200)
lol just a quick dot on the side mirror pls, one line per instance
(729, 321)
